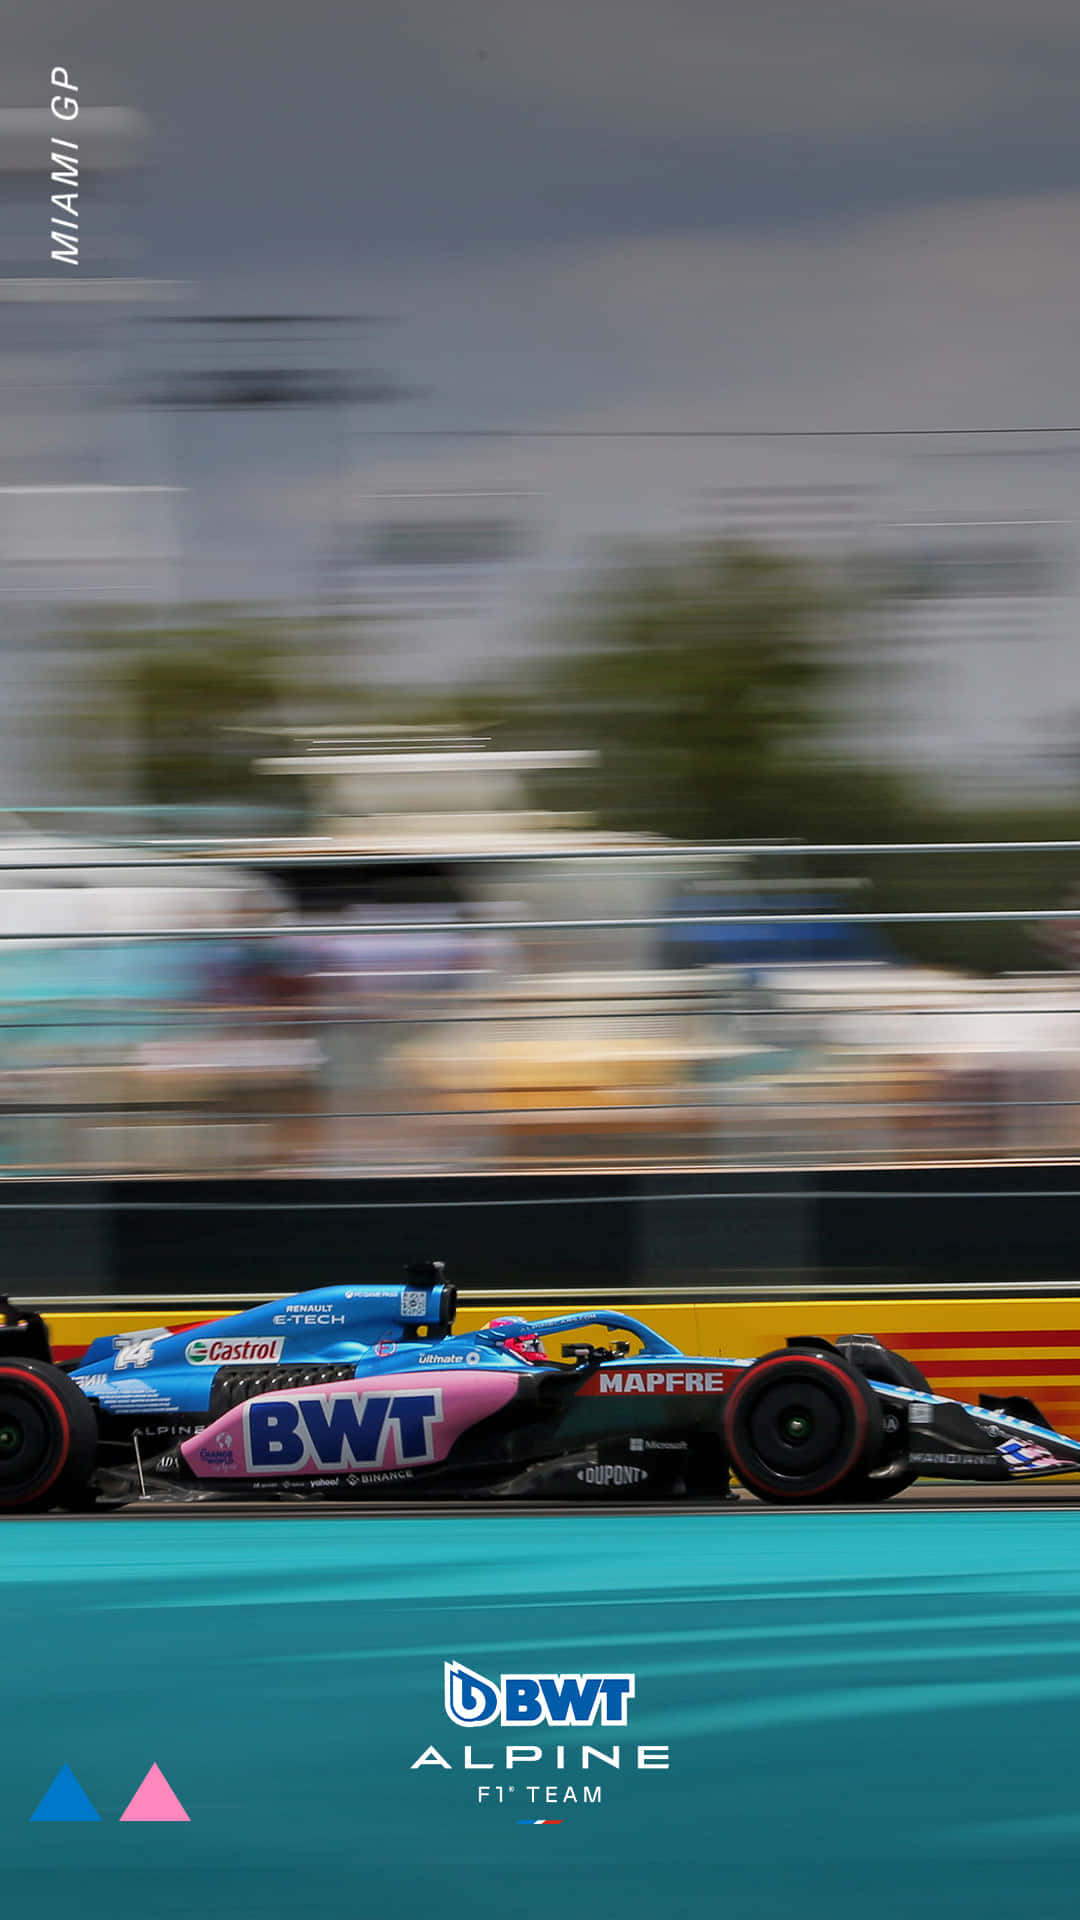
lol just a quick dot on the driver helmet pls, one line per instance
(519, 1340)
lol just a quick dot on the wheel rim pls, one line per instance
(797, 1427)
(11, 1437)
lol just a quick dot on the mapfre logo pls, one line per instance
(536, 1699)
(653, 1380)
(232, 1353)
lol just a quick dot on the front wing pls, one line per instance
(950, 1440)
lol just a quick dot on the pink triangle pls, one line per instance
(154, 1800)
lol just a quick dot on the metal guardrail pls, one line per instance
(794, 1107)
(238, 848)
(627, 922)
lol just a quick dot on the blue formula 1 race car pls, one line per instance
(361, 1392)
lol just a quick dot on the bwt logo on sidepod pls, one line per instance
(537, 1699)
(342, 1431)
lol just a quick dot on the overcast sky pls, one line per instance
(412, 130)
(597, 215)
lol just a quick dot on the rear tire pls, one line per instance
(802, 1426)
(48, 1438)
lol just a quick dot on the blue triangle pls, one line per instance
(65, 1800)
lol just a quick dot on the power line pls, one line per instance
(722, 433)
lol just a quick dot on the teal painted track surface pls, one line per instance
(867, 1715)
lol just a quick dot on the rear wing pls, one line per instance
(23, 1335)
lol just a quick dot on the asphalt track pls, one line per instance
(866, 1713)
(927, 1498)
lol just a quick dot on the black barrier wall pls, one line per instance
(601, 1233)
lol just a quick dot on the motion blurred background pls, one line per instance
(522, 538)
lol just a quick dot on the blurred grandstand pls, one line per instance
(436, 976)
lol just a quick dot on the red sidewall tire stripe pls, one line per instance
(818, 1365)
(43, 1388)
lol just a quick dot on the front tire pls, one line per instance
(881, 1363)
(893, 1370)
(802, 1427)
(48, 1438)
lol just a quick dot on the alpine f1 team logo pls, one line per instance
(526, 1704)
(536, 1699)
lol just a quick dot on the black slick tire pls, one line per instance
(48, 1438)
(801, 1427)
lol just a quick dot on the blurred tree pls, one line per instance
(700, 681)
(169, 714)
(185, 704)
(977, 882)
(712, 684)
(722, 690)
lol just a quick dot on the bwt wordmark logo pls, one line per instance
(536, 1699)
(524, 1702)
